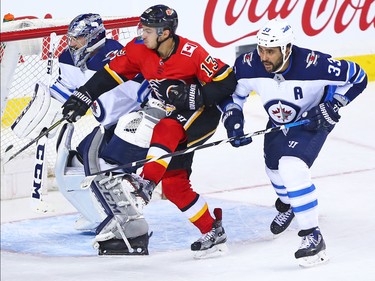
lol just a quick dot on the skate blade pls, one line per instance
(216, 251)
(318, 259)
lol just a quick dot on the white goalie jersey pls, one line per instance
(45, 107)
(108, 108)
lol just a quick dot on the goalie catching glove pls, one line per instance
(77, 105)
(175, 92)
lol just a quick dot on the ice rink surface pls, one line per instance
(37, 247)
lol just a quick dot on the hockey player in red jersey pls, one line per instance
(191, 83)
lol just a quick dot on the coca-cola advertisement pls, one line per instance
(343, 28)
(339, 27)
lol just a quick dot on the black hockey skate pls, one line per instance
(213, 241)
(312, 249)
(139, 246)
(283, 218)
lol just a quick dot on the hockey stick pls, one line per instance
(39, 183)
(87, 181)
(42, 134)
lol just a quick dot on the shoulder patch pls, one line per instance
(188, 49)
(312, 59)
(247, 58)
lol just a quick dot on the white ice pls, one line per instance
(344, 175)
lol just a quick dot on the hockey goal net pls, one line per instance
(24, 56)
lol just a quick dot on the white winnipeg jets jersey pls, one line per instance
(110, 106)
(311, 78)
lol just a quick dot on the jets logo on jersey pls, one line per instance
(281, 112)
(188, 49)
(311, 59)
(97, 111)
(247, 58)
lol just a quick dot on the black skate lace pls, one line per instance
(283, 217)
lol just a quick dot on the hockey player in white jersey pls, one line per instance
(293, 83)
(89, 50)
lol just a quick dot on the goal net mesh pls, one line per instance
(24, 62)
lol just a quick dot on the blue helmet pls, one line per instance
(160, 16)
(90, 27)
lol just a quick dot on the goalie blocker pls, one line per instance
(41, 112)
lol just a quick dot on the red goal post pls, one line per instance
(110, 24)
(24, 48)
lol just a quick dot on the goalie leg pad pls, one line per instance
(137, 127)
(69, 177)
(41, 112)
(115, 197)
(127, 232)
(118, 198)
(119, 195)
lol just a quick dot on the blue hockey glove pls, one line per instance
(77, 105)
(233, 121)
(324, 116)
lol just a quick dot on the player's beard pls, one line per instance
(275, 66)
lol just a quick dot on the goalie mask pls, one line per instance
(85, 34)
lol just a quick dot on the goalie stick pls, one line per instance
(40, 162)
(87, 181)
(42, 134)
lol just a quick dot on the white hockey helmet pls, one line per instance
(276, 33)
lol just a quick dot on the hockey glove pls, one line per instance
(233, 121)
(178, 94)
(322, 117)
(77, 105)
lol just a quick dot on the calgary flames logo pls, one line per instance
(169, 12)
